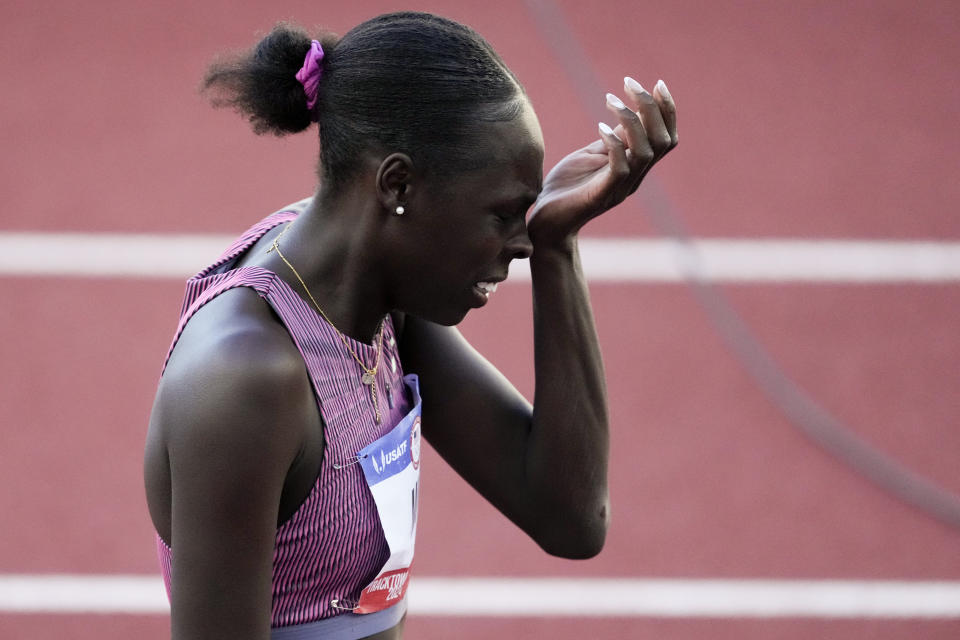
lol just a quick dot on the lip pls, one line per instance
(480, 297)
(493, 279)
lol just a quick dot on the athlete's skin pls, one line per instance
(236, 439)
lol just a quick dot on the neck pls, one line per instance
(332, 246)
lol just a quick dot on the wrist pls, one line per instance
(556, 256)
(550, 248)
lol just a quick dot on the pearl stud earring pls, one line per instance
(400, 210)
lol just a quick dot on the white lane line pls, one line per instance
(58, 593)
(507, 597)
(116, 255)
(685, 598)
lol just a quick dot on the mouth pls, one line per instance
(483, 289)
(486, 288)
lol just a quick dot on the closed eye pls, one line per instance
(512, 212)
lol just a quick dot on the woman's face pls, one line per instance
(459, 234)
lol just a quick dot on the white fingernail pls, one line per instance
(632, 85)
(615, 102)
(662, 88)
(606, 130)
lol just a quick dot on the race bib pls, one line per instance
(391, 466)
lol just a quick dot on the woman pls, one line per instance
(283, 453)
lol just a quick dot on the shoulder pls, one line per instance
(234, 344)
(235, 381)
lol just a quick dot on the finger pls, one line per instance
(616, 152)
(649, 112)
(668, 109)
(597, 146)
(640, 152)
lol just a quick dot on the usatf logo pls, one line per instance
(389, 457)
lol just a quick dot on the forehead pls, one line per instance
(516, 141)
(513, 158)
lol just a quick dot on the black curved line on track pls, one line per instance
(801, 410)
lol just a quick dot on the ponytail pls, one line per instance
(262, 83)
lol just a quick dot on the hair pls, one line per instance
(406, 82)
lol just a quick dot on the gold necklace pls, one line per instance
(369, 377)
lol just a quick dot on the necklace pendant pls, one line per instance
(368, 378)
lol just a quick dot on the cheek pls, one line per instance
(468, 245)
(450, 249)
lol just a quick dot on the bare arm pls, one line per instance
(545, 467)
(231, 411)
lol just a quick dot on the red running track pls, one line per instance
(802, 120)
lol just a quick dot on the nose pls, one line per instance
(519, 245)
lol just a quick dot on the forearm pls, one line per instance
(568, 445)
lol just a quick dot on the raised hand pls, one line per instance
(592, 180)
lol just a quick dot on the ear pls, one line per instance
(395, 181)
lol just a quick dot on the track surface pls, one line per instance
(802, 119)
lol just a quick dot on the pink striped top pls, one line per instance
(333, 546)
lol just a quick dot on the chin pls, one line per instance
(439, 307)
(443, 317)
(451, 319)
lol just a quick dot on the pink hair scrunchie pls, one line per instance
(309, 74)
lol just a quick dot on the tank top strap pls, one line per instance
(213, 279)
(247, 240)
